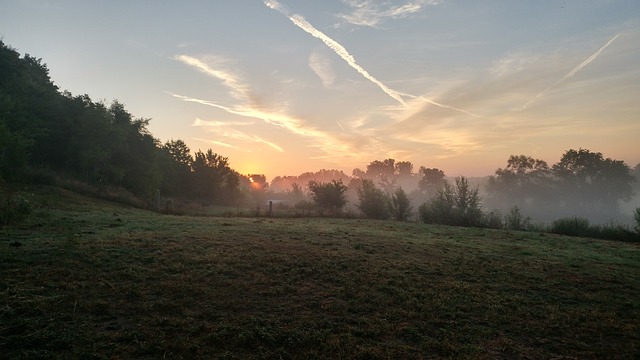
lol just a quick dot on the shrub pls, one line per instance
(328, 196)
(15, 208)
(373, 202)
(493, 220)
(440, 208)
(515, 220)
(575, 226)
(458, 206)
(613, 232)
(400, 205)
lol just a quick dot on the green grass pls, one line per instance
(96, 280)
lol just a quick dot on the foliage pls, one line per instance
(577, 226)
(102, 145)
(15, 207)
(459, 205)
(440, 208)
(328, 196)
(582, 182)
(373, 202)
(400, 205)
(284, 183)
(572, 226)
(258, 187)
(387, 174)
(525, 182)
(515, 220)
(493, 220)
(431, 181)
(592, 182)
(636, 218)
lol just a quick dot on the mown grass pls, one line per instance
(95, 280)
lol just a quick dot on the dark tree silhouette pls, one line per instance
(373, 202)
(328, 196)
(592, 183)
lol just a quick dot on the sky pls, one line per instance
(283, 87)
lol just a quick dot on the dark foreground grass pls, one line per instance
(94, 280)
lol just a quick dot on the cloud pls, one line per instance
(219, 143)
(371, 12)
(229, 133)
(340, 50)
(212, 66)
(321, 66)
(571, 73)
(199, 122)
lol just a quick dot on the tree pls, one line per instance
(296, 194)
(592, 184)
(526, 183)
(384, 173)
(214, 180)
(468, 207)
(258, 186)
(328, 196)
(179, 151)
(373, 202)
(400, 205)
(431, 181)
(175, 162)
(459, 205)
(440, 208)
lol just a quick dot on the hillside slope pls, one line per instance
(92, 279)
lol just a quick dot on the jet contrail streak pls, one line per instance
(572, 72)
(450, 107)
(340, 50)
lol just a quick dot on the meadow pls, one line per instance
(90, 279)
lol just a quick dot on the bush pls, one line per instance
(15, 208)
(400, 205)
(459, 206)
(374, 203)
(515, 220)
(580, 227)
(493, 220)
(328, 196)
(613, 232)
(440, 209)
(575, 226)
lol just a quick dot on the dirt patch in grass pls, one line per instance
(87, 285)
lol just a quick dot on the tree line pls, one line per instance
(46, 134)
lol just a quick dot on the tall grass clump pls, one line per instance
(580, 227)
(515, 220)
(572, 226)
(15, 207)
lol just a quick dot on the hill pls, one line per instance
(84, 278)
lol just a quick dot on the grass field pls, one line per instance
(89, 279)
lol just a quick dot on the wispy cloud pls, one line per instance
(372, 12)
(219, 143)
(321, 66)
(571, 73)
(340, 50)
(213, 66)
(229, 133)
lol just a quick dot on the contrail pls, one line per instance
(340, 50)
(572, 72)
